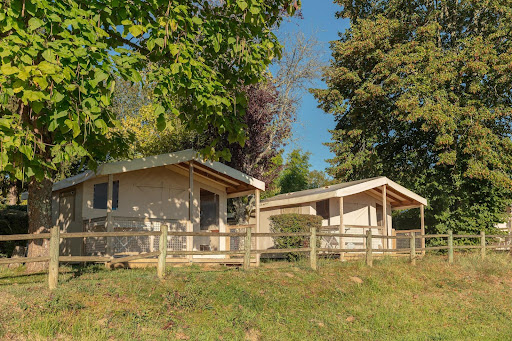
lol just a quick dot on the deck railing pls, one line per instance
(312, 236)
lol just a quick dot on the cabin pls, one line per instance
(178, 189)
(350, 208)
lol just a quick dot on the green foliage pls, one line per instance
(292, 222)
(317, 179)
(421, 94)
(59, 62)
(274, 188)
(295, 174)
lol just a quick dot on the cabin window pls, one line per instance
(380, 214)
(322, 209)
(209, 210)
(67, 206)
(100, 195)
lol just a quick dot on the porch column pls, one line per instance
(422, 217)
(385, 215)
(190, 224)
(257, 213)
(341, 231)
(109, 226)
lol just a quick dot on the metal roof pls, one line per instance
(209, 169)
(398, 196)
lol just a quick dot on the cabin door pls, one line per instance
(209, 222)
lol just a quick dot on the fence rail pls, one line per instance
(55, 236)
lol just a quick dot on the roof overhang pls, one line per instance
(398, 196)
(234, 180)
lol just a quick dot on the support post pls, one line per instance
(482, 244)
(509, 225)
(247, 256)
(412, 246)
(190, 224)
(162, 257)
(369, 248)
(385, 215)
(450, 246)
(422, 218)
(342, 231)
(312, 245)
(257, 213)
(53, 271)
(109, 226)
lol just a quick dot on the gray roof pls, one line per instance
(183, 156)
(346, 189)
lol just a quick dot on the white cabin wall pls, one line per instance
(69, 247)
(149, 193)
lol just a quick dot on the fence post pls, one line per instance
(450, 246)
(312, 245)
(53, 269)
(247, 257)
(482, 243)
(369, 254)
(162, 257)
(412, 246)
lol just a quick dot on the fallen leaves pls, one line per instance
(356, 280)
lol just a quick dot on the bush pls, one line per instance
(13, 220)
(293, 222)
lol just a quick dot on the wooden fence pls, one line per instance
(55, 236)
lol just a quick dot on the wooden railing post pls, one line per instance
(450, 246)
(247, 257)
(412, 246)
(162, 257)
(482, 243)
(312, 245)
(369, 248)
(53, 269)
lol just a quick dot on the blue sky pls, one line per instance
(311, 130)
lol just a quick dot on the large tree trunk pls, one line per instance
(39, 220)
(12, 195)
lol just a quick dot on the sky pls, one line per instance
(311, 129)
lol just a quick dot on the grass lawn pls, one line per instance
(471, 299)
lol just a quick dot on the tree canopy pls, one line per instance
(295, 174)
(60, 59)
(421, 94)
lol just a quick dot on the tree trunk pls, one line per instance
(12, 195)
(39, 220)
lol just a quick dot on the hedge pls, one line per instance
(293, 222)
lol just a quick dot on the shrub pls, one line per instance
(13, 220)
(293, 222)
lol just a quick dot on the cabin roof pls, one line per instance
(234, 180)
(398, 196)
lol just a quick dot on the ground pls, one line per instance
(278, 301)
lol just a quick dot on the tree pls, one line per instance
(60, 60)
(421, 93)
(294, 177)
(10, 189)
(317, 179)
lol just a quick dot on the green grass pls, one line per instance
(278, 301)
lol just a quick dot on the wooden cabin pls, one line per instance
(179, 189)
(350, 207)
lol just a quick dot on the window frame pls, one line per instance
(104, 187)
